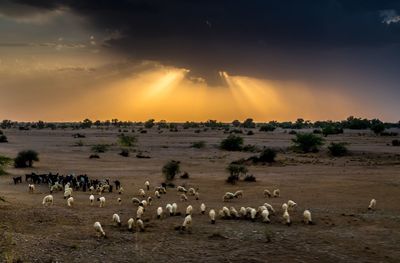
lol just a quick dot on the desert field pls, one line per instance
(336, 190)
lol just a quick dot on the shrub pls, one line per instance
(249, 148)
(249, 178)
(338, 149)
(124, 153)
(94, 156)
(26, 159)
(185, 175)
(170, 169)
(389, 134)
(235, 170)
(99, 148)
(79, 143)
(143, 131)
(293, 132)
(330, 130)
(4, 162)
(199, 144)
(140, 155)
(396, 142)
(236, 131)
(232, 143)
(377, 126)
(126, 140)
(149, 124)
(268, 155)
(232, 179)
(3, 138)
(267, 128)
(316, 131)
(250, 133)
(249, 123)
(307, 142)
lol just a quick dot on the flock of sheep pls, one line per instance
(264, 211)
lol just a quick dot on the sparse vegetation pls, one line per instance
(235, 171)
(267, 128)
(331, 130)
(99, 148)
(232, 143)
(124, 152)
(185, 175)
(26, 159)
(4, 162)
(249, 178)
(149, 124)
(170, 169)
(127, 140)
(198, 144)
(268, 155)
(338, 149)
(307, 142)
(3, 138)
(396, 142)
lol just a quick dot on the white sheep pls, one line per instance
(265, 216)
(168, 207)
(99, 229)
(31, 188)
(70, 201)
(243, 212)
(143, 204)
(261, 208)
(91, 199)
(140, 225)
(372, 204)
(119, 200)
(286, 218)
(149, 200)
(269, 207)
(174, 208)
(226, 213)
(197, 195)
(238, 194)
(139, 212)
(228, 196)
(142, 193)
(47, 200)
(135, 200)
(307, 217)
(291, 204)
(157, 194)
(102, 201)
(191, 191)
(267, 193)
(147, 184)
(234, 212)
(67, 192)
(203, 208)
(184, 198)
(181, 189)
(159, 212)
(187, 223)
(189, 210)
(120, 190)
(253, 214)
(91, 189)
(284, 207)
(116, 219)
(276, 193)
(131, 221)
(212, 216)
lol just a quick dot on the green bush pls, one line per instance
(26, 159)
(4, 162)
(232, 143)
(330, 130)
(307, 142)
(250, 148)
(170, 169)
(267, 128)
(127, 140)
(268, 155)
(99, 148)
(199, 144)
(377, 126)
(3, 138)
(249, 178)
(338, 149)
(235, 171)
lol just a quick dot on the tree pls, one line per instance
(4, 162)
(377, 126)
(86, 123)
(3, 138)
(170, 169)
(236, 123)
(268, 155)
(232, 143)
(127, 140)
(307, 142)
(249, 123)
(149, 124)
(338, 149)
(26, 159)
(267, 127)
(235, 171)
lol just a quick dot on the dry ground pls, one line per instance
(336, 190)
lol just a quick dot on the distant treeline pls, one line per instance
(350, 123)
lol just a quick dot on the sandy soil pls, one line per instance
(336, 190)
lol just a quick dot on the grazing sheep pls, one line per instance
(234, 212)
(265, 216)
(261, 208)
(187, 223)
(143, 204)
(277, 193)
(372, 204)
(157, 194)
(47, 200)
(99, 229)
(31, 188)
(181, 189)
(284, 207)
(70, 201)
(131, 221)
(269, 207)
(286, 218)
(91, 189)
(191, 191)
(184, 198)
(159, 212)
(135, 200)
(174, 208)
(189, 210)
(197, 195)
(119, 201)
(243, 212)
(212, 216)
(291, 204)
(147, 184)
(149, 200)
(120, 190)
(225, 212)
(267, 193)
(203, 208)
(161, 190)
(116, 219)
(307, 217)
(139, 212)
(67, 192)
(102, 201)
(140, 225)
(168, 207)
(228, 196)
(253, 214)
(91, 199)
(142, 193)
(238, 194)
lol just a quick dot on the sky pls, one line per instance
(180, 60)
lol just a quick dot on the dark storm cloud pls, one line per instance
(242, 37)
